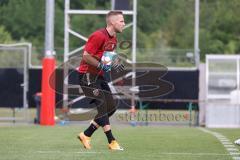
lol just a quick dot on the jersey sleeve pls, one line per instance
(94, 43)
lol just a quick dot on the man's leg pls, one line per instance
(110, 109)
(111, 103)
(85, 137)
(104, 123)
(91, 129)
(102, 118)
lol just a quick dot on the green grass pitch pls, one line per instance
(149, 142)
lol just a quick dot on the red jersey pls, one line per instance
(98, 42)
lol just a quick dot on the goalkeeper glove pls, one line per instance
(104, 67)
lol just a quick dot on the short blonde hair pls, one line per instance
(112, 13)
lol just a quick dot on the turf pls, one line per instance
(150, 143)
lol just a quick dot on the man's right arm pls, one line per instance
(92, 61)
(89, 59)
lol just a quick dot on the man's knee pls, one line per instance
(102, 121)
(94, 123)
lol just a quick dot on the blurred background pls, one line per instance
(165, 28)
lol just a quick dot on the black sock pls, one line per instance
(90, 130)
(109, 136)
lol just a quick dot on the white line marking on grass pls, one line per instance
(233, 151)
(228, 145)
(222, 139)
(220, 136)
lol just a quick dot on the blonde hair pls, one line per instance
(112, 13)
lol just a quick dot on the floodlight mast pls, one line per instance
(49, 29)
(196, 34)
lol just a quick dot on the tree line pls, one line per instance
(162, 24)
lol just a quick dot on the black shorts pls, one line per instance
(96, 88)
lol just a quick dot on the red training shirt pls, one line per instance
(98, 42)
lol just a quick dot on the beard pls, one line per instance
(118, 31)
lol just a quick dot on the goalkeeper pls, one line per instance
(92, 82)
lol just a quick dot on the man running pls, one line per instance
(91, 70)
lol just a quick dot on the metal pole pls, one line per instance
(66, 52)
(238, 74)
(134, 38)
(196, 34)
(49, 29)
(113, 4)
(48, 94)
(25, 84)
